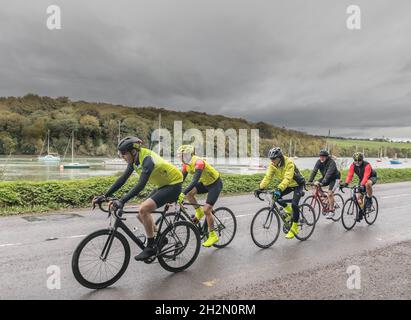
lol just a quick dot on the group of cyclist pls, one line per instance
(168, 179)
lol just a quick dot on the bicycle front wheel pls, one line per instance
(372, 213)
(265, 228)
(179, 246)
(101, 259)
(338, 207)
(349, 214)
(306, 223)
(315, 204)
(225, 225)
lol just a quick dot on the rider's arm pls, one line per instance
(315, 170)
(350, 174)
(367, 174)
(288, 176)
(331, 172)
(120, 181)
(268, 177)
(199, 167)
(147, 169)
(184, 171)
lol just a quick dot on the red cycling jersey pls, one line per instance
(200, 164)
(363, 175)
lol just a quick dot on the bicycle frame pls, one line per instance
(203, 228)
(274, 207)
(119, 224)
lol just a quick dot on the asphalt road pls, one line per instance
(30, 244)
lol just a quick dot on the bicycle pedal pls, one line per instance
(149, 260)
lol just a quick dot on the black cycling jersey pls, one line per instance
(328, 169)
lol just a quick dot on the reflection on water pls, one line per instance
(29, 168)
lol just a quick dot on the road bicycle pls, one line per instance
(225, 223)
(353, 211)
(266, 225)
(320, 203)
(102, 257)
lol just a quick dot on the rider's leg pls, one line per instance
(298, 192)
(208, 210)
(146, 218)
(191, 198)
(330, 196)
(167, 194)
(212, 196)
(368, 188)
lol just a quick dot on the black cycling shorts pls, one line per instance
(213, 190)
(166, 194)
(373, 180)
(333, 184)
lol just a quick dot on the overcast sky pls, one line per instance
(291, 63)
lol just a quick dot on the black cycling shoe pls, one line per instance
(368, 203)
(360, 216)
(146, 253)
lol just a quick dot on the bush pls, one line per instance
(20, 196)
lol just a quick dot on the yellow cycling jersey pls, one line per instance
(163, 174)
(288, 174)
(209, 174)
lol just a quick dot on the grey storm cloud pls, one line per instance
(291, 63)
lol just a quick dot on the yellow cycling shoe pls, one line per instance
(293, 231)
(212, 239)
(199, 213)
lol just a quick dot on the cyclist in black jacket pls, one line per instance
(330, 177)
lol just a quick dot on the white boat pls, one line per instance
(49, 156)
(72, 164)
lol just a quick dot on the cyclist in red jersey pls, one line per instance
(367, 176)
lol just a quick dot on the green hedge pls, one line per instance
(20, 196)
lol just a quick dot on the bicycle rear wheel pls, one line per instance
(306, 223)
(181, 246)
(225, 225)
(372, 213)
(349, 214)
(101, 259)
(265, 228)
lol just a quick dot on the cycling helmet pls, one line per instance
(324, 152)
(275, 153)
(358, 156)
(186, 149)
(129, 143)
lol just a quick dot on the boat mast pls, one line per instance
(48, 142)
(72, 147)
(119, 132)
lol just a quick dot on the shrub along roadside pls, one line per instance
(23, 196)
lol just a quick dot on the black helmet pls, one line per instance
(358, 156)
(324, 152)
(129, 143)
(275, 153)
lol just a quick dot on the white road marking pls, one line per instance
(9, 244)
(395, 196)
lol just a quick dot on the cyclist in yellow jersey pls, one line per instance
(291, 181)
(206, 179)
(152, 169)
